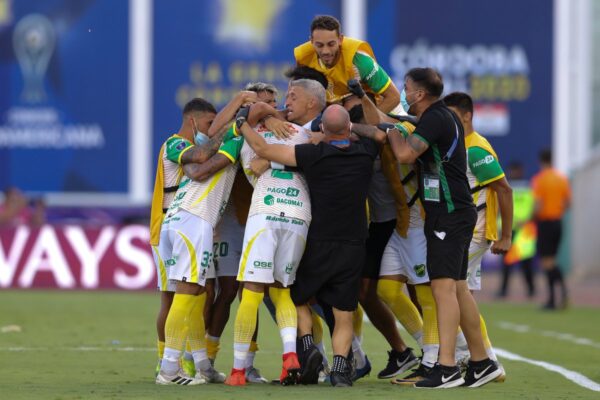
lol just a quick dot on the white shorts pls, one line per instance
(163, 284)
(227, 247)
(186, 243)
(273, 247)
(476, 252)
(406, 256)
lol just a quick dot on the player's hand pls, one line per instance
(355, 88)
(258, 166)
(316, 137)
(281, 129)
(501, 246)
(241, 117)
(247, 97)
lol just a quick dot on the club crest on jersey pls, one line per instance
(420, 270)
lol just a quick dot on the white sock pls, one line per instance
(240, 353)
(201, 360)
(170, 361)
(491, 354)
(188, 356)
(250, 359)
(359, 354)
(430, 355)
(418, 336)
(288, 337)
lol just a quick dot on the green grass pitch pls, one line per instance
(73, 345)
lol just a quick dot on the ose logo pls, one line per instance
(263, 264)
(269, 200)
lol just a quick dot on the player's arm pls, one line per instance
(371, 132)
(203, 171)
(224, 116)
(406, 149)
(273, 119)
(378, 80)
(280, 153)
(202, 153)
(505, 204)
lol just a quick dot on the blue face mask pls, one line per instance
(200, 138)
(403, 101)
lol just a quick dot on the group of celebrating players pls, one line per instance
(216, 227)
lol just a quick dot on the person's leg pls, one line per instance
(244, 328)
(448, 316)
(287, 323)
(228, 288)
(506, 270)
(389, 289)
(166, 299)
(527, 268)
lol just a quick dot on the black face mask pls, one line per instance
(356, 113)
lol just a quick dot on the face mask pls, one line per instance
(199, 137)
(403, 101)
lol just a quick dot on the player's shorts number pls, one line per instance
(220, 249)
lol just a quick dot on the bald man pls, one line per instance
(338, 172)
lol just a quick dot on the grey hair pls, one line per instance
(262, 87)
(314, 88)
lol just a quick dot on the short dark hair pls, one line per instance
(460, 100)
(304, 72)
(198, 105)
(546, 156)
(428, 79)
(325, 22)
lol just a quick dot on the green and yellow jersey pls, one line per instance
(483, 168)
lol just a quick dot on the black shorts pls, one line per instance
(330, 270)
(379, 234)
(548, 237)
(448, 239)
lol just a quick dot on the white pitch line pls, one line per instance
(573, 376)
(568, 337)
(80, 348)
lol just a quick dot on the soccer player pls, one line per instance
(491, 193)
(178, 149)
(552, 195)
(186, 245)
(343, 58)
(273, 246)
(338, 173)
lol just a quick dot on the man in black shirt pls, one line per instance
(338, 173)
(438, 147)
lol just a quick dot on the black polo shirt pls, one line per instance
(440, 128)
(338, 180)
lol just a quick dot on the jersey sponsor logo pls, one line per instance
(263, 264)
(373, 71)
(486, 160)
(420, 270)
(290, 191)
(289, 202)
(269, 200)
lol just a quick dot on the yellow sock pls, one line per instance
(357, 321)
(390, 292)
(431, 336)
(287, 318)
(177, 324)
(160, 345)
(213, 345)
(487, 343)
(430, 326)
(245, 319)
(196, 334)
(317, 328)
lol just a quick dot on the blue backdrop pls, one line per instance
(498, 51)
(63, 103)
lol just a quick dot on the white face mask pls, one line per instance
(200, 138)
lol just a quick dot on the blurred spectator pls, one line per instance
(552, 195)
(17, 209)
(522, 250)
